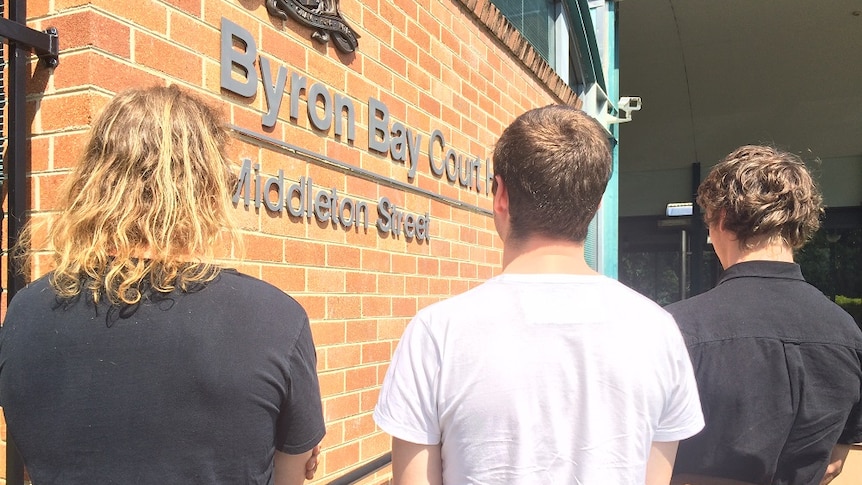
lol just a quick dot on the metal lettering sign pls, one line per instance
(322, 15)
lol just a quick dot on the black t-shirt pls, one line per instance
(779, 375)
(187, 387)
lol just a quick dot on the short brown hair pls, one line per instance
(555, 162)
(762, 192)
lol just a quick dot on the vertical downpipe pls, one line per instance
(18, 189)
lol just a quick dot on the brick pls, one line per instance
(35, 8)
(287, 279)
(47, 191)
(360, 88)
(343, 306)
(416, 285)
(340, 407)
(429, 104)
(419, 77)
(390, 284)
(192, 7)
(374, 445)
(361, 378)
(324, 280)
(237, 13)
(395, 59)
(315, 306)
(90, 28)
(364, 330)
(404, 264)
(359, 426)
(438, 286)
(149, 14)
(361, 236)
(448, 268)
(262, 248)
(284, 50)
(458, 286)
(40, 153)
(343, 356)
(375, 260)
(362, 188)
(93, 68)
(419, 35)
(395, 17)
(305, 252)
(428, 266)
(368, 399)
(334, 438)
(327, 333)
(441, 249)
(379, 75)
(331, 383)
(427, 23)
(342, 152)
(281, 223)
(194, 34)
(68, 112)
(377, 27)
(68, 149)
(405, 46)
(341, 458)
(378, 351)
(166, 57)
(468, 270)
(360, 282)
(376, 306)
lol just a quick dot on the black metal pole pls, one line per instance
(19, 191)
(363, 471)
(698, 236)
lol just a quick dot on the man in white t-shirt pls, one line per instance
(549, 373)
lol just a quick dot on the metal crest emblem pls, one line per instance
(322, 15)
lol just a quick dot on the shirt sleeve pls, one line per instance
(300, 422)
(682, 416)
(407, 406)
(852, 432)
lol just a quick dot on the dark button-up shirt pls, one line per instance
(778, 370)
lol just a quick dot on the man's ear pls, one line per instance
(501, 198)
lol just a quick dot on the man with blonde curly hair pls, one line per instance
(777, 363)
(138, 359)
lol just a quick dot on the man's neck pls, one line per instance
(538, 254)
(764, 252)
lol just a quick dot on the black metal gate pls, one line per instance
(20, 41)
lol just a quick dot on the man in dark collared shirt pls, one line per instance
(777, 363)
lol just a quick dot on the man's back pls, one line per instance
(779, 375)
(197, 387)
(541, 379)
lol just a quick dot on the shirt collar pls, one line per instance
(763, 269)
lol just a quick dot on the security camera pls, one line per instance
(629, 103)
(625, 106)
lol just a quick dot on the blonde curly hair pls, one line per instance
(148, 202)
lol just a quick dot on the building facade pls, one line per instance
(363, 133)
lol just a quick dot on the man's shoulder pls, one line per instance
(505, 292)
(241, 288)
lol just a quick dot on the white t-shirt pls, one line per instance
(548, 378)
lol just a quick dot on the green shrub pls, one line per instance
(853, 306)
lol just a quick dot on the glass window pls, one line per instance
(535, 20)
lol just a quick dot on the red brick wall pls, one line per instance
(452, 65)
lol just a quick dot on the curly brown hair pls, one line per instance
(764, 194)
